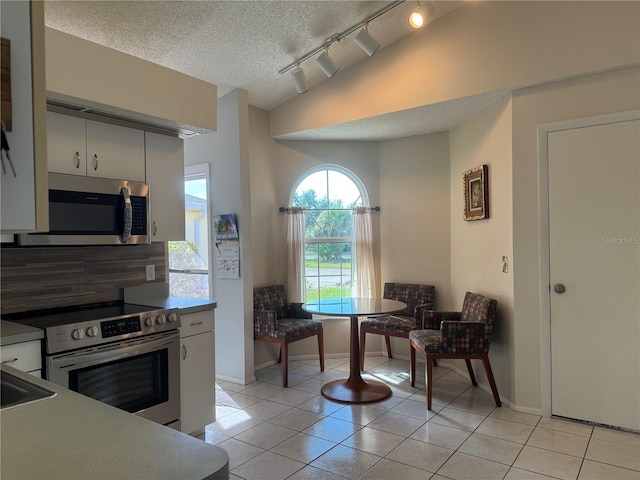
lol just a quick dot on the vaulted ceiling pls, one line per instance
(243, 44)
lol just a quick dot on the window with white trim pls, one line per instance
(328, 194)
(189, 266)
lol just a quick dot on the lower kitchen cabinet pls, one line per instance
(197, 371)
(24, 356)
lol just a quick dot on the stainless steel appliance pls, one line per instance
(127, 356)
(98, 211)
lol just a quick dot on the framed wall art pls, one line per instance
(476, 193)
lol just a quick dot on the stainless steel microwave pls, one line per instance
(94, 211)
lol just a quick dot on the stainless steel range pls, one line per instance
(127, 356)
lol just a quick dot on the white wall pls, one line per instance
(227, 152)
(477, 246)
(604, 93)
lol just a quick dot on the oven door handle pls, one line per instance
(87, 358)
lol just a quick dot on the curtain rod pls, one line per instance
(286, 209)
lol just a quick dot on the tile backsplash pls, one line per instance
(35, 278)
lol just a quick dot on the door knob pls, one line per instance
(559, 288)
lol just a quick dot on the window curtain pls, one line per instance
(295, 255)
(363, 273)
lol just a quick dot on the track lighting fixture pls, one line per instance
(416, 18)
(366, 42)
(299, 80)
(327, 65)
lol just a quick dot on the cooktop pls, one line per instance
(76, 314)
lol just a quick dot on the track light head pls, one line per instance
(327, 65)
(299, 79)
(366, 42)
(420, 15)
(416, 18)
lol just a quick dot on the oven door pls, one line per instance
(141, 376)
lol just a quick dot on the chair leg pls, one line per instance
(285, 366)
(412, 363)
(321, 349)
(362, 343)
(470, 370)
(388, 342)
(492, 382)
(429, 367)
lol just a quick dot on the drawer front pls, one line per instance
(24, 356)
(195, 323)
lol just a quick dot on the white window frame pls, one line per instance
(364, 199)
(193, 172)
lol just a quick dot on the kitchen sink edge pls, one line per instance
(17, 392)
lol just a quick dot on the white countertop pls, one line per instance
(71, 436)
(11, 333)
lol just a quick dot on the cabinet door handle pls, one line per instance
(155, 228)
(197, 323)
(95, 161)
(77, 159)
(184, 352)
(10, 361)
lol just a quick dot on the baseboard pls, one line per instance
(235, 380)
(419, 361)
(487, 388)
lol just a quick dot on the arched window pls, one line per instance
(328, 194)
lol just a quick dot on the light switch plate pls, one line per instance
(151, 272)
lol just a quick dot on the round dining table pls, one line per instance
(354, 389)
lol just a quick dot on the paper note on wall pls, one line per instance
(228, 262)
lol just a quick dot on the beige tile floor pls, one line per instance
(273, 433)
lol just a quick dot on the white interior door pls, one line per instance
(594, 227)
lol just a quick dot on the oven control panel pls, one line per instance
(114, 328)
(137, 321)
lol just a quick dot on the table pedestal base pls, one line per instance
(359, 391)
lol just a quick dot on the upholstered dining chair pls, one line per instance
(418, 297)
(276, 320)
(465, 335)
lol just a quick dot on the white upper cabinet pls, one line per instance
(115, 152)
(85, 147)
(66, 144)
(165, 176)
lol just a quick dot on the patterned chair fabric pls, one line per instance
(465, 334)
(418, 297)
(276, 320)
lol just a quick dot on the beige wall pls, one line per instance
(414, 222)
(611, 92)
(264, 204)
(484, 46)
(120, 83)
(290, 161)
(408, 178)
(477, 246)
(480, 47)
(418, 183)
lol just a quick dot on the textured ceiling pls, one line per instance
(243, 44)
